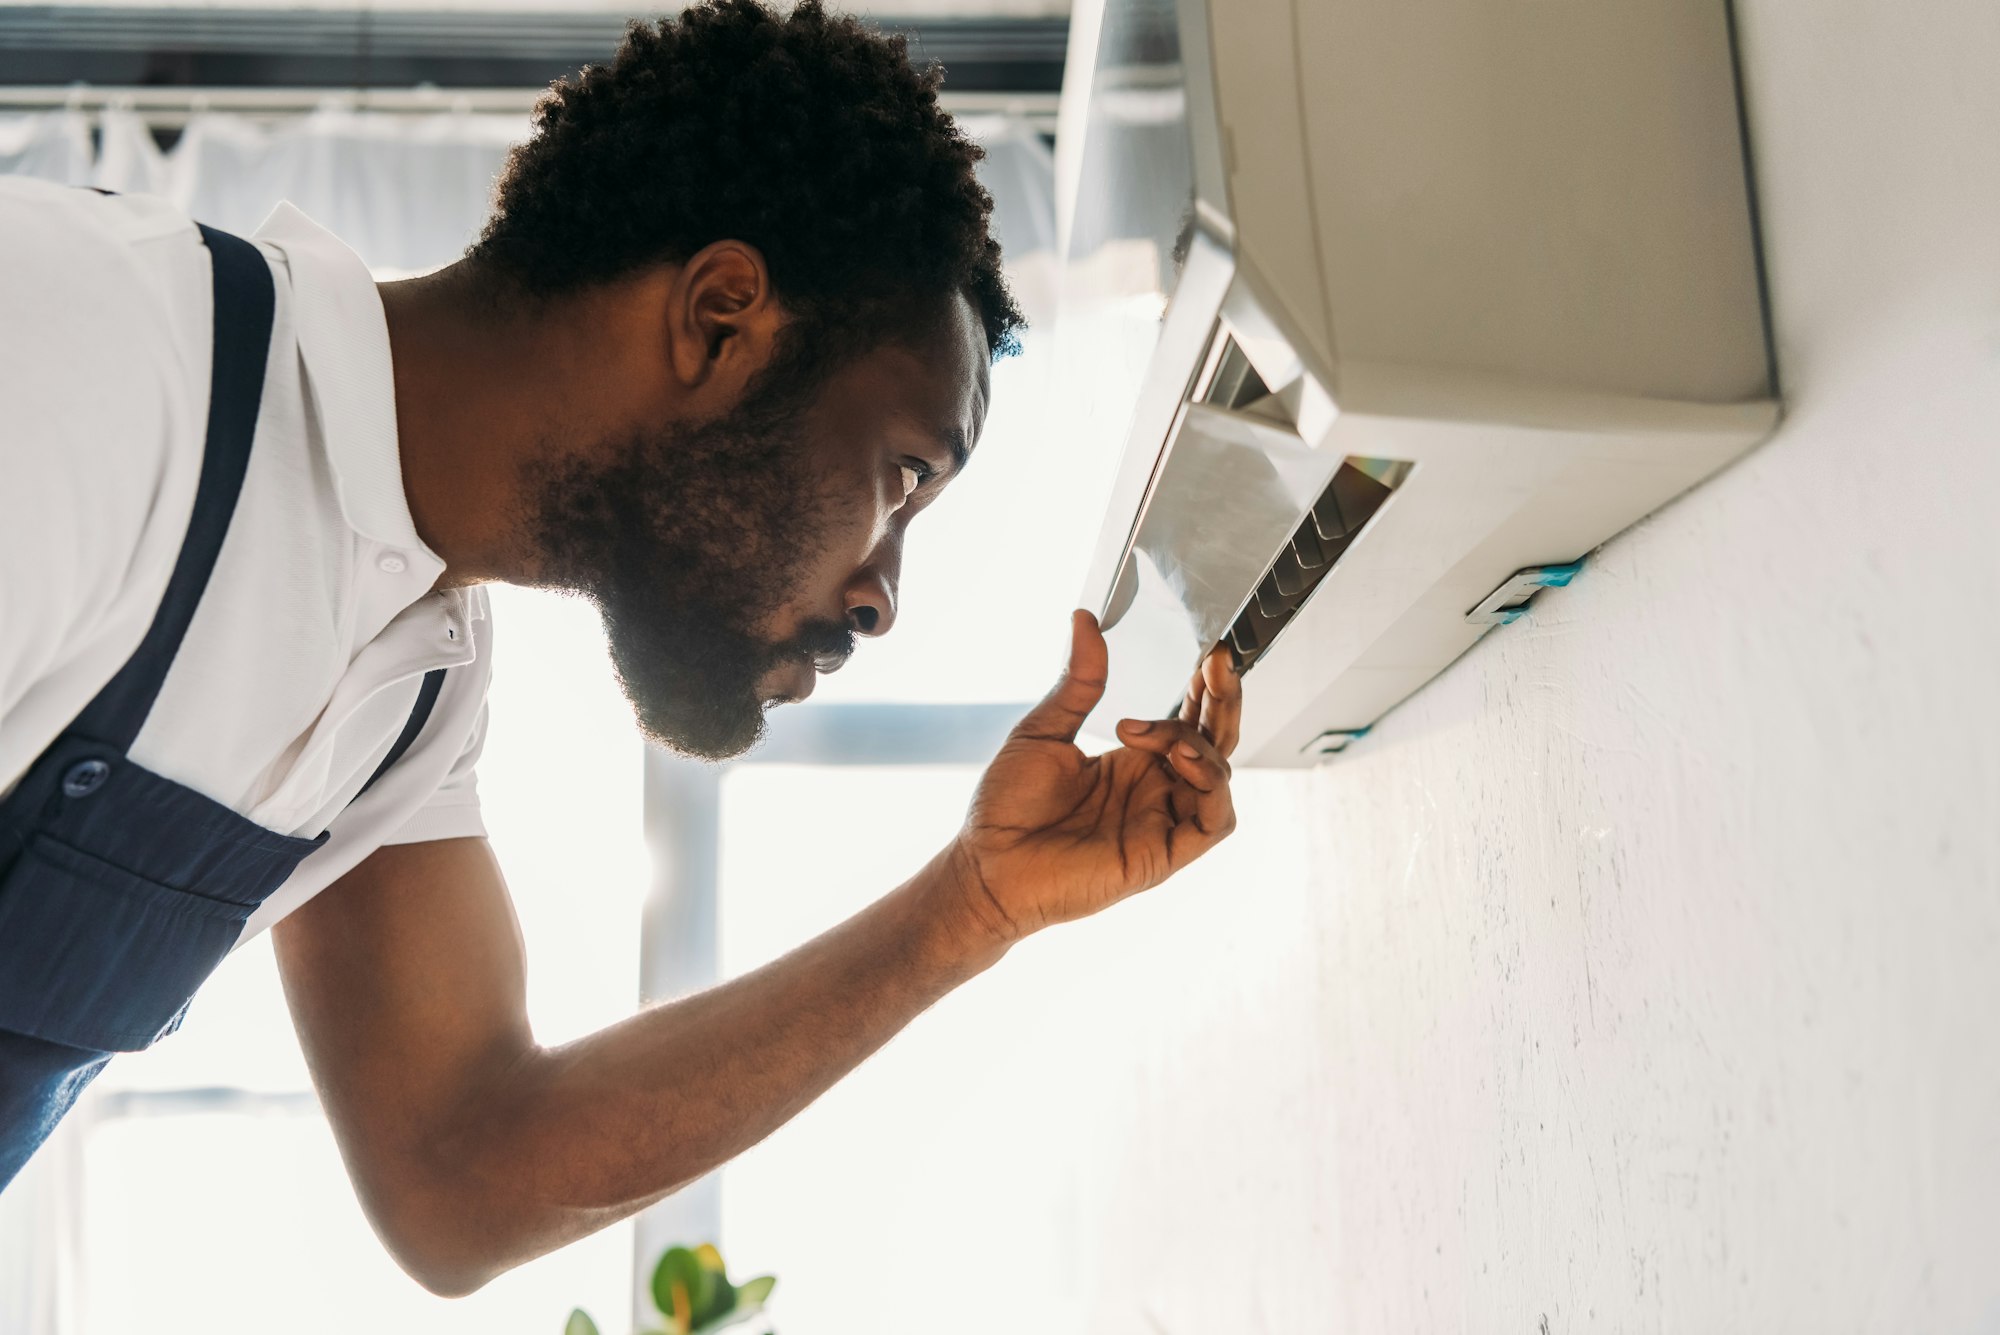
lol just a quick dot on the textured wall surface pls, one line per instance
(1647, 972)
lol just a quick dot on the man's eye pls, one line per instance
(914, 476)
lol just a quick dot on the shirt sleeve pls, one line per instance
(452, 812)
(452, 809)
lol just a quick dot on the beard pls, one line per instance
(690, 540)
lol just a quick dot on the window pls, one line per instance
(931, 1190)
(213, 1197)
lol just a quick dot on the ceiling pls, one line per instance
(986, 46)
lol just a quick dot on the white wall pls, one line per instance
(1648, 973)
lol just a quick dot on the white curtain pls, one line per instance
(52, 145)
(1020, 173)
(408, 192)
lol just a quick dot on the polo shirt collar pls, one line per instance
(343, 340)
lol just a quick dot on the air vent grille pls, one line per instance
(1358, 490)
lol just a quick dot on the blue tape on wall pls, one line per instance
(1555, 577)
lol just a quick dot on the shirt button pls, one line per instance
(84, 778)
(392, 563)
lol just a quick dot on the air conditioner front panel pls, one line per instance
(1483, 499)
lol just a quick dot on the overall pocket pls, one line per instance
(96, 957)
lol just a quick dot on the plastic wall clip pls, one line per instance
(1333, 741)
(1509, 602)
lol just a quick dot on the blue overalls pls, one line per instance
(121, 891)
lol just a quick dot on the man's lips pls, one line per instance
(793, 677)
(794, 681)
(797, 676)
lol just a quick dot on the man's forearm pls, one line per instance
(474, 1149)
(558, 1142)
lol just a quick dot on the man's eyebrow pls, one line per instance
(953, 439)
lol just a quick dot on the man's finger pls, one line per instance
(1063, 709)
(1203, 771)
(1170, 739)
(1213, 813)
(1191, 703)
(1201, 802)
(1221, 701)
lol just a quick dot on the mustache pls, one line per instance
(828, 644)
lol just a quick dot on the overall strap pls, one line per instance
(244, 304)
(427, 695)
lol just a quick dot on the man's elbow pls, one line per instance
(441, 1258)
(454, 1229)
(448, 1279)
(437, 1233)
(459, 1205)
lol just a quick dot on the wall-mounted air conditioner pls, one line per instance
(1403, 306)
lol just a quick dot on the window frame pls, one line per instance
(679, 947)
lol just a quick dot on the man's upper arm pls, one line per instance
(406, 981)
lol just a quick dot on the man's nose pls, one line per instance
(871, 601)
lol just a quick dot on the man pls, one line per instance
(724, 338)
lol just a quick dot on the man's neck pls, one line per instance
(460, 446)
(485, 387)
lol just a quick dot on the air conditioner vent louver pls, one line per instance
(1359, 488)
(1236, 384)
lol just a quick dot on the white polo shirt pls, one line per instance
(303, 660)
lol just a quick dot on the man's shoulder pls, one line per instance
(106, 318)
(87, 216)
(125, 273)
(104, 354)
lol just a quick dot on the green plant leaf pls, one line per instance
(579, 1323)
(727, 1320)
(721, 1300)
(679, 1269)
(709, 1257)
(749, 1301)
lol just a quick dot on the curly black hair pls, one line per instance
(804, 134)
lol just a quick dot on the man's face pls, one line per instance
(734, 559)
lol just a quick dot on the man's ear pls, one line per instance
(723, 318)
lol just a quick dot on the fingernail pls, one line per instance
(1190, 750)
(1139, 725)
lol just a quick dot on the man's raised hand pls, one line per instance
(1054, 834)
